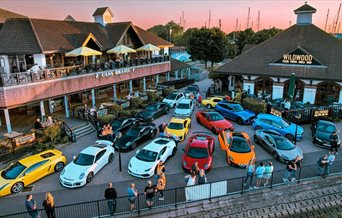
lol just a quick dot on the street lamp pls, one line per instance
(118, 136)
(297, 116)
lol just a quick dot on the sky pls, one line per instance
(147, 13)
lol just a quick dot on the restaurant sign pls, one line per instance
(110, 73)
(298, 56)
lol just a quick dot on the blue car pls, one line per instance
(235, 111)
(272, 122)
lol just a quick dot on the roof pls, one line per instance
(247, 47)
(69, 18)
(178, 65)
(91, 150)
(305, 8)
(177, 120)
(326, 122)
(152, 39)
(259, 60)
(4, 15)
(185, 100)
(101, 11)
(269, 116)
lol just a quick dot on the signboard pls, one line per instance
(25, 139)
(298, 56)
(114, 72)
(321, 113)
(276, 112)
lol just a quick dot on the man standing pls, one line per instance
(321, 165)
(31, 206)
(161, 185)
(149, 193)
(331, 159)
(333, 143)
(110, 195)
(289, 168)
(202, 178)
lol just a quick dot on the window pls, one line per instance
(35, 166)
(161, 152)
(266, 121)
(99, 155)
(217, 100)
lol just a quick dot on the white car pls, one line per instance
(184, 108)
(87, 163)
(143, 164)
(173, 99)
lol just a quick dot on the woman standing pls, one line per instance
(268, 173)
(49, 205)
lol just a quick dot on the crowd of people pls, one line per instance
(39, 125)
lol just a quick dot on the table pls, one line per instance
(11, 136)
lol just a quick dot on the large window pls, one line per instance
(299, 90)
(327, 93)
(263, 87)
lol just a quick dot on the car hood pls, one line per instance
(182, 111)
(241, 158)
(146, 114)
(292, 129)
(123, 140)
(222, 124)
(246, 114)
(73, 171)
(168, 101)
(140, 167)
(291, 154)
(179, 132)
(325, 136)
(190, 161)
(4, 181)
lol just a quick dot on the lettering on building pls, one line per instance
(298, 57)
(110, 73)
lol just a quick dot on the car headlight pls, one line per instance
(62, 173)
(184, 163)
(148, 170)
(82, 176)
(2, 187)
(206, 166)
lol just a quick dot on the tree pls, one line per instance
(169, 31)
(264, 34)
(218, 45)
(243, 38)
(159, 30)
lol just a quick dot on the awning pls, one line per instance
(82, 51)
(148, 47)
(121, 49)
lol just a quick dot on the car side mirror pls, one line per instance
(74, 157)
(137, 151)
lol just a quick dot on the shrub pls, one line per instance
(115, 109)
(152, 96)
(136, 103)
(39, 147)
(106, 119)
(129, 113)
(53, 133)
(258, 106)
(168, 91)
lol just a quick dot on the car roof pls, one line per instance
(157, 147)
(177, 120)
(199, 143)
(93, 149)
(326, 122)
(28, 161)
(185, 101)
(269, 116)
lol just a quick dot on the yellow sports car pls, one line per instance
(179, 127)
(15, 177)
(212, 101)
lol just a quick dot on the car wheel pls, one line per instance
(90, 177)
(17, 187)
(208, 106)
(173, 152)
(256, 139)
(239, 121)
(290, 137)
(258, 127)
(133, 146)
(59, 167)
(111, 158)
(276, 156)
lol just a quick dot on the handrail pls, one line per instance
(68, 131)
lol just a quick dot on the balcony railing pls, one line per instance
(15, 79)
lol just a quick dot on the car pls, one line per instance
(211, 102)
(119, 125)
(136, 134)
(322, 130)
(284, 127)
(213, 121)
(30, 169)
(153, 111)
(173, 99)
(235, 112)
(277, 145)
(144, 162)
(87, 164)
(179, 127)
(192, 88)
(184, 108)
(200, 148)
(238, 147)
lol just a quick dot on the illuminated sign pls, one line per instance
(25, 139)
(321, 113)
(298, 56)
(276, 112)
(114, 72)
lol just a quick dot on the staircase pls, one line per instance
(83, 129)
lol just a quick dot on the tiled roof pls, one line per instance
(324, 47)
(152, 39)
(4, 14)
(305, 7)
(247, 47)
(116, 30)
(69, 18)
(101, 11)
(178, 65)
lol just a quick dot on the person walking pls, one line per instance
(321, 165)
(161, 185)
(298, 165)
(31, 206)
(111, 195)
(331, 159)
(259, 172)
(268, 173)
(250, 171)
(202, 178)
(49, 205)
(333, 144)
(132, 194)
(149, 192)
(289, 168)
(190, 179)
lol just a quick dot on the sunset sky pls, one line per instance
(146, 13)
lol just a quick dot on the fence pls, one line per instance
(176, 196)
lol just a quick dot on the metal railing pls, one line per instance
(181, 195)
(68, 131)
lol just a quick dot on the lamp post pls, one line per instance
(118, 136)
(297, 116)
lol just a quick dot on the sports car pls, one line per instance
(153, 111)
(213, 121)
(28, 170)
(144, 162)
(192, 88)
(87, 164)
(280, 147)
(272, 122)
(238, 146)
(119, 125)
(136, 134)
(236, 112)
(179, 127)
(211, 102)
(200, 148)
(321, 132)
(184, 108)
(173, 99)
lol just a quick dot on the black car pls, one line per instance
(153, 111)
(118, 125)
(136, 134)
(321, 132)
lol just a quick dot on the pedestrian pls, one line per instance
(220, 85)
(259, 172)
(161, 129)
(31, 206)
(161, 185)
(111, 195)
(160, 169)
(268, 173)
(290, 166)
(333, 143)
(331, 159)
(202, 178)
(149, 193)
(199, 99)
(250, 171)
(190, 179)
(49, 205)
(321, 165)
(195, 168)
(192, 97)
(132, 194)
(298, 165)
(38, 124)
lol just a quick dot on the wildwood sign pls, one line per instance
(114, 72)
(298, 56)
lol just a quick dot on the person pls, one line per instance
(110, 196)
(228, 98)
(161, 185)
(49, 205)
(250, 171)
(199, 99)
(259, 172)
(190, 179)
(31, 206)
(287, 104)
(160, 169)
(38, 124)
(220, 85)
(192, 97)
(149, 193)
(129, 96)
(49, 121)
(195, 168)
(333, 143)
(132, 194)
(136, 94)
(297, 161)
(268, 173)
(161, 129)
(289, 167)
(321, 165)
(202, 178)
(331, 159)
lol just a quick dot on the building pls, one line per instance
(313, 56)
(36, 75)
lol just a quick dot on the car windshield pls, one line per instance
(191, 89)
(240, 145)
(146, 155)
(84, 159)
(215, 117)
(198, 153)
(326, 128)
(171, 96)
(238, 108)
(133, 132)
(175, 126)
(284, 144)
(284, 123)
(13, 171)
(151, 108)
(183, 106)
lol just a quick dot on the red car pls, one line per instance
(213, 121)
(200, 148)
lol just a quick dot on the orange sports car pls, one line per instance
(238, 147)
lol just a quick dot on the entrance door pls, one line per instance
(327, 93)
(263, 87)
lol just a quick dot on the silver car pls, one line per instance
(280, 147)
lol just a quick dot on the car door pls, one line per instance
(229, 112)
(275, 125)
(186, 126)
(36, 171)
(266, 124)
(215, 101)
(162, 155)
(100, 160)
(191, 107)
(144, 133)
(269, 145)
(223, 140)
(206, 120)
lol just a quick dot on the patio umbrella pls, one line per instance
(292, 86)
(148, 47)
(121, 49)
(82, 51)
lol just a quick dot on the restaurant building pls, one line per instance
(38, 76)
(303, 50)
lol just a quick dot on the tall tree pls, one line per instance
(218, 45)
(169, 31)
(159, 30)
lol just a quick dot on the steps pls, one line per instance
(83, 129)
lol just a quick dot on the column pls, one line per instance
(309, 95)
(248, 87)
(157, 79)
(130, 86)
(189, 73)
(278, 91)
(42, 110)
(340, 99)
(8, 121)
(114, 93)
(167, 76)
(51, 102)
(40, 60)
(176, 74)
(182, 73)
(66, 106)
(4, 62)
(93, 101)
(144, 84)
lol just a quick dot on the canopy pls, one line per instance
(292, 86)
(82, 51)
(148, 47)
(121, 49)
